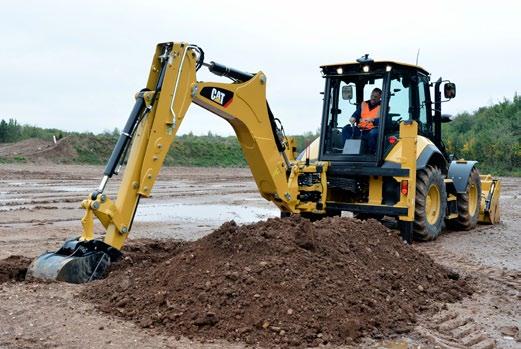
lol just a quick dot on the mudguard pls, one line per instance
(459, 172)
(431, 155)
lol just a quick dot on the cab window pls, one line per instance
(424, 124)
(347, 107)
(340, 110)
(399, 101)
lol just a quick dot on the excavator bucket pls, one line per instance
(490, 190)
(75, 262)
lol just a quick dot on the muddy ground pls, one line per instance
(39, 208)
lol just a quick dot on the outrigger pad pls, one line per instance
(75, 262)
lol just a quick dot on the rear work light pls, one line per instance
(405, 187)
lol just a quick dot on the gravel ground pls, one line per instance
(39, 208)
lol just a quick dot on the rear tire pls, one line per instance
(431, 204)
(469, 204)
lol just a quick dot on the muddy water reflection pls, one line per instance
(171, 212)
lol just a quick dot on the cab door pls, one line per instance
(424, 117)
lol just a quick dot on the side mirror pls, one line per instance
(449, 90)
(347, 92)
(446, 118)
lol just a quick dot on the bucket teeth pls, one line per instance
(76, 262)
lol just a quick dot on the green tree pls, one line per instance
(491, 135)
(3, 131)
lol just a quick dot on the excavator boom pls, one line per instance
(153, 123)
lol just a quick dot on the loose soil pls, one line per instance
(283, 282)
(39, 209)
(13, 268)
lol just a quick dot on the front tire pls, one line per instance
(431, 204)
(468, 204)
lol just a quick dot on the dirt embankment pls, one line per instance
(39, 150)
(279, 282)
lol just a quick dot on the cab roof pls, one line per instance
(357, 67)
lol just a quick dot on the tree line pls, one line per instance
(491, 135)
(11, 131)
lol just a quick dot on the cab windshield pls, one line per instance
(353, 115)
(363, 112)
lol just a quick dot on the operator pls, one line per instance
(366, 117)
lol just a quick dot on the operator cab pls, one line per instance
(405, 96)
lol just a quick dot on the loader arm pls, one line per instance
(149, 132)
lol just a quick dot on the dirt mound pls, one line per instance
(39, 150)
(62, 152)
(25, 147)
(13, 268)
(280, 282)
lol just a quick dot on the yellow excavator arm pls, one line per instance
(159, 110)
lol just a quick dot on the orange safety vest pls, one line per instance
(367, 113)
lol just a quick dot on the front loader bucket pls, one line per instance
(490, 191)
(76, 262)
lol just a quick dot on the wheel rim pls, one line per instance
(432, 205)
(473, 199)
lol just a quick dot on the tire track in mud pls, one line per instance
(452, 330)
(34, 197)
(510, 279)
(48, 202)
(38, 221)
(455, 327)
(23, 204)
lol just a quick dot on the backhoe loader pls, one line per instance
(408, 176)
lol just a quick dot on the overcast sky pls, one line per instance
(76, 65)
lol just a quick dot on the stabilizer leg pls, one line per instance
(406, 231)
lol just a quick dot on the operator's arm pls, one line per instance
(357, 114)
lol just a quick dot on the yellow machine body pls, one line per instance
(295, 184)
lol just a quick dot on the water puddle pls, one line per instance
(6, 199)
(16, 184)
(71, 189)
(171, 212)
